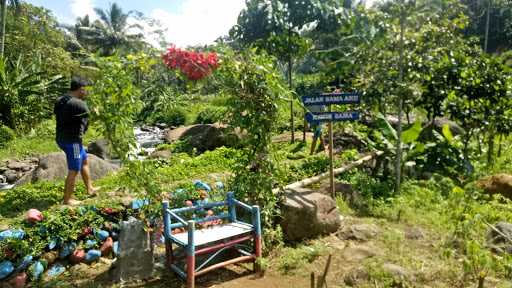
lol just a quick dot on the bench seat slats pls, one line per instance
(215, 233)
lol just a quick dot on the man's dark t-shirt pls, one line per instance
(72, 119)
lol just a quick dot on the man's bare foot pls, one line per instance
(72, 202)
(93, 191)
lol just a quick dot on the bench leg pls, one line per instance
(169, 253)
(191, 265)
(257, 252)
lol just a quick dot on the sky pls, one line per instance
(188, 22)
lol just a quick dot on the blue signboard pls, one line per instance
(332, 116)
(332, 98)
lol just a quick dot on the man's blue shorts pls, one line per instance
(75, 155)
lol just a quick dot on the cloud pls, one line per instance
(199, 22)
(80, 8)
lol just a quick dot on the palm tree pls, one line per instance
(111, 32)
(3, 13)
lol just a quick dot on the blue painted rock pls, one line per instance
(102, 235)
(12, 234)
(6, 268)
(66, 250)
(92, 255)
(56, 270)
(36, 270)
(90, 243)
(201, 185)
(54, 243)
(139, 203)
(219, 185)
(25, 262)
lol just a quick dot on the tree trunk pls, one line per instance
(3, 13)
(486, 42)
(398, 164)
(500, 145)
(290, 83)
(490, 148)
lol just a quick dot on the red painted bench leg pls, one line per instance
(191, 264)
(257, 252)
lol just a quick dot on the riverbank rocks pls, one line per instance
(308, 214)
(203, 137)
(161, 155)
(135, 260)
(497, 184)
(99, 148)
(53, 167)
(12, 170)
(499, 238)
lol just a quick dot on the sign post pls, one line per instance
(330, 117)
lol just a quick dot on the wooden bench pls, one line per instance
(233, 234)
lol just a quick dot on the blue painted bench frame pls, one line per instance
(189, 270)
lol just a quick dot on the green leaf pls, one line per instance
(447, 133)
(387, 130)
(410, 135)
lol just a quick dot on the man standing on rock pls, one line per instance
(72, 121)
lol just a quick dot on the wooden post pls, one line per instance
(331, 168)
(312, 279)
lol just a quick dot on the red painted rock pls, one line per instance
(189, 203)
(78, 256)
(210, 213)
(108, 211)
(34, 216)
(106, 248)
(87, 231)
(19, 281)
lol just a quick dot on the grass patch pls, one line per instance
(292, 259)
(40, 196)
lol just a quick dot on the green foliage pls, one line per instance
(174, 117)
(6, 135)
(211, 115)
(254, 87)
(27, 93)
(115, 101)
(40, 196)
(33, 32)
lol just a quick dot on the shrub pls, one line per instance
(211, 115)
(6, 135)
(173, 117)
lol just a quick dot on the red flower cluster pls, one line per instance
(194, 65)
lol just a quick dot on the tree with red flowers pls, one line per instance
(194, 65)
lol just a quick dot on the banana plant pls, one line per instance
(26, 92)
(443, 152)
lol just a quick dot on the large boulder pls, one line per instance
(203, 137)
(308, 214)
(99, 148)
(499, 237)
(497, 184)
(53, 166)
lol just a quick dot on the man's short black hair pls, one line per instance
(77, 83)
